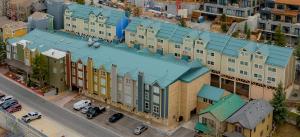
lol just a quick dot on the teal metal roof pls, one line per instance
(83, 12)
(224, 44)
(225, 107)
(210, 92)
(127, 60)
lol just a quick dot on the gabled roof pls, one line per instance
(210, 92)
(226, 45)
(128, 60)
(83, 11)
(252, 113)
(225, 107)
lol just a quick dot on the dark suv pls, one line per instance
(115, 117)
(94, 111)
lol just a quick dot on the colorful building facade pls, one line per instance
(252, 70)
(14, 29)
(119, 76)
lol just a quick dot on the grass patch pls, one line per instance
(287, 130)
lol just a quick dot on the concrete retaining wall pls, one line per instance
(18, 127)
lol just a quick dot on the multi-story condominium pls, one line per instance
(40, 20)
(283, 13)
(252, 70)
(212, 120)
(253, 120)
(104, 23)
(14, 29)
(237, 9)
(115, 74)
(19, 10)
(3, 20)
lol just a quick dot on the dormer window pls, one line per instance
(188, 36)
(244, 50)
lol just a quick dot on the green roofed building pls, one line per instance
(212, 119)
(156, 87)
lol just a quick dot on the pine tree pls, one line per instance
(279, 37)
(182, 22)
(2, 52)
(245, 28)
(248, 33)
(80, 1)
(278, 102)
(40, 69)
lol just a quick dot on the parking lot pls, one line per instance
(46, 125)
(124, 126)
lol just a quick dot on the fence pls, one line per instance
(17, 127)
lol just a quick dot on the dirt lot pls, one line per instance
(287, 130)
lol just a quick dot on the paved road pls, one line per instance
(81, 125)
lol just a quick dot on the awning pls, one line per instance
(199, 127)
(18, 64)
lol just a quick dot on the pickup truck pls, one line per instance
(31, 116)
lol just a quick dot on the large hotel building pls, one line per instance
(159, 69)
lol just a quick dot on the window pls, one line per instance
(272, 69)
(147, 95)
(263, 121)
(103, 90)
(156, 109)
(243, 72)
(177, 46)
(103, 81)
(231, 60)
(147, 105)
(109, 34)
(254, 130)
(238, 129)
(156, 99)
(199, 51)
(271, 79)
(258, 66)
(101, 25)
(147, 87)
(257, 75)
(244, 63)
(95, 79)
(141, 36)
(212, 54)
(211, 62)
(67, 18)
(156, 90)
(101, 32)
(205, 100)
(160, 40)
(231, 69)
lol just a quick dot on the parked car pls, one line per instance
(140, 129)
(14, 108)
(4, 99)
(2, 95)
(31, 116)
(7, 104)
(115, 117)
(94, 111)
(85, 109)
(81, 104)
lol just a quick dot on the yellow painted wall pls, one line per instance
(10, 33)
(265, 128)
